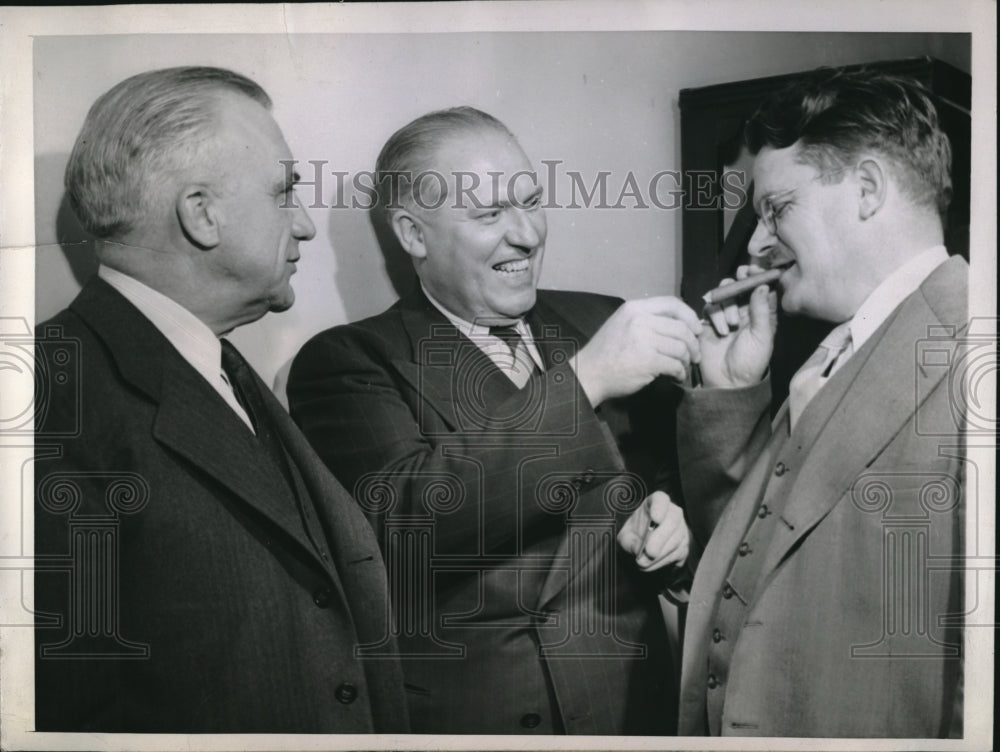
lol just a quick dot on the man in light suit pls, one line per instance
(488, 430)
(200, 571)
(814, 609)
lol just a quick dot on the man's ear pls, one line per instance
(409, 232)
(198, 216)
(873, 180)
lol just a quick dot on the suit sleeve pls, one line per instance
(484, 488)
(721, 432)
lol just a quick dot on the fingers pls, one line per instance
(633, 533)
(666, 538)
(762, 313)
(675, 339)
(728, 315)
(725, 316)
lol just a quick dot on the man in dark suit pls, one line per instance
(199, 568)
(486, 428)
(815, 609)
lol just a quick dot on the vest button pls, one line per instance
(346, 693)
(780, 469)
(530, 720)
(712, 681)
(727, 591)
(322, 597)
(716, 635)
(744, 548)
(763, 511)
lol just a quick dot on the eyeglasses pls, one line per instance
(769, 214)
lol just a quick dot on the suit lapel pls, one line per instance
(191, 419)
(870, 400)
(445, 367)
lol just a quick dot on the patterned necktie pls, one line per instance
(809, 379)
(521, 364)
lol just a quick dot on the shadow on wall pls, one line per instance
(76, 243)
(371, 272)
(366, 283)
(398, 264)
(64, 258)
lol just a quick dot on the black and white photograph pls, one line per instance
(498, 375)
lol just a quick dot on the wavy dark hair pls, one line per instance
(835, 116)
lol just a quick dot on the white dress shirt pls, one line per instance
(894, 289)
(193, 340)
(493, 347)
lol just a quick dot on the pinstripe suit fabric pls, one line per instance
(245, 613)
(532, 621)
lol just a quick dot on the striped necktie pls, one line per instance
(521, 363)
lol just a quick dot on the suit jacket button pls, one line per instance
(322, 597)
(744, 548)
(712, 681)
(716, 635)
(763, 511)
(727, 591)
(530, 720)
(780, 469)
(346, 693)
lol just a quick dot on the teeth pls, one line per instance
(513, 266)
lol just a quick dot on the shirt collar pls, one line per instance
(895, 288)
(189, 335)
(473, 330)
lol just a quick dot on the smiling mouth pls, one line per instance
(513, 267)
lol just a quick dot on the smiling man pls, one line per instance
(488, 430)
(201, 570)
(814, 609)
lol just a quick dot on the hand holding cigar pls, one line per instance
(734, 289)
(737, 346)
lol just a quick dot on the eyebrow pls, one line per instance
(283, 185)
(505, 202)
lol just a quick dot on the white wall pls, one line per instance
(596, 101)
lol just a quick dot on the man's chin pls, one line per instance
(282, 302)
(517, 306)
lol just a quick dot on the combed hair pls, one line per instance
(410, 151)
(137, 134)
(836, 115)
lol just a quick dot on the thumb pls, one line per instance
(763, 313)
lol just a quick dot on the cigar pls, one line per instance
(735, 289)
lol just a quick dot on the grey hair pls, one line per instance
(138, 133)
(410, 151)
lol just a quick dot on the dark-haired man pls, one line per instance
(814, 610)
(201, 571)
(481, 423)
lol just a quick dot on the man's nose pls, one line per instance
(761, 242)
(302, 227)
(526, 228)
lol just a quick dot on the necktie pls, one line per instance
(250, 399)
(521, 364)
(809, 379)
